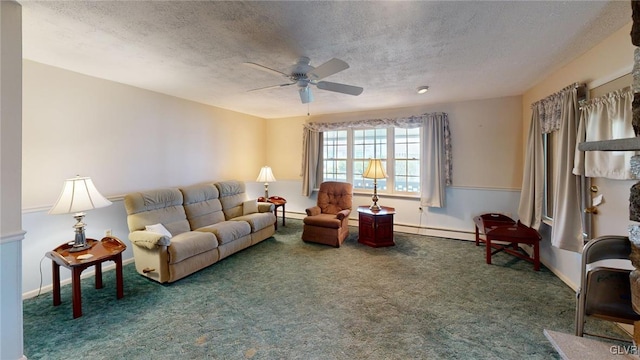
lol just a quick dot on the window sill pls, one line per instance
(400, 196)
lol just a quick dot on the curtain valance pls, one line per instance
(407, 122)
(549, 110)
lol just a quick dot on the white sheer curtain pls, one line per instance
(605, 118)
(558, 112)
(436, 164)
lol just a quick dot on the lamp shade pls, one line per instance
(375, 170)
(266, 175)
(78, 194)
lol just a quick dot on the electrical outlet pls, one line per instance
(107, 232)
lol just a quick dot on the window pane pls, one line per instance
(407, 160)
(367, 144)
(335, 155)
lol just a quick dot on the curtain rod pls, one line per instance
(575, 85)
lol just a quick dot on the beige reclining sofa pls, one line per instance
(178, 231)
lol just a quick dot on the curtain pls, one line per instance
(566, 232)
(605, 118)
(311, 154)
(532, 194)
(557, 112)
(437, 165)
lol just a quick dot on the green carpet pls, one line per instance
(425, 298)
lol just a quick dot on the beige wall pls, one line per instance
(485, 140)
(608, 60)
(127, 138)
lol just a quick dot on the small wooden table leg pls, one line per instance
(477, 236)
(275, 212)
(99, 275)
(77, 296)
(119, 280)
(488, 242)
(283, 215)
(56, 284)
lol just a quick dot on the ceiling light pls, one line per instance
(422, 89)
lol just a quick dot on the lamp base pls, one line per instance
(79, 247)
(375, 207)
(80, 242)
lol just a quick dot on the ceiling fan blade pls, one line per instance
(329, 68)
(341, 88)
(305, 94)
(270, 87)
(264, 68)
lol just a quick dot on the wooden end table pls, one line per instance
(278, 202)
(375, 228)
(107, 249)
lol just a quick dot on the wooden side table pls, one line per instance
(108, 249)
(375, 227)
(277, 202)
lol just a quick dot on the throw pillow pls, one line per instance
(249, 207)
(160, 229)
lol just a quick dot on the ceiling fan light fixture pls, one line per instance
(422, 89)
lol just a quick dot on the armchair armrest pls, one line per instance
(265, 207)
(313, 211)
(343, 214)
(148, 239)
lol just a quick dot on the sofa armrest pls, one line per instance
(265, 207)
(343, 214)
(148, 239)
(313, 211)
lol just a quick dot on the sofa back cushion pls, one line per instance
(334, 196)
(162, 206)
(232, 195)
(202, 205)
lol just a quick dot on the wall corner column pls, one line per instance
(11, 233)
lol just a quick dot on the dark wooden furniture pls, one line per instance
(277, 202)
(375, 227)
(497, 227)
(107, 249)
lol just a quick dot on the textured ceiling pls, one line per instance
(196, 50)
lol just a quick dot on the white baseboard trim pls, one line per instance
(411, 229)
(555, 271)
(49, 288)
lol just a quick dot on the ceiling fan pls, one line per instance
(304, 75)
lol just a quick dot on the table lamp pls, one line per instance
(78, 195)
(266, 175)
(375, 171)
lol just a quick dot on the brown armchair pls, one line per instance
(328, 222)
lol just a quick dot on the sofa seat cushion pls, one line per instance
(228, 231)
(323, 220)
(258, 221)
(191, 243)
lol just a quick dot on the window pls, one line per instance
(548, 145)
(368, 144)
(334, 164)
(347, 154)
(407, 160)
